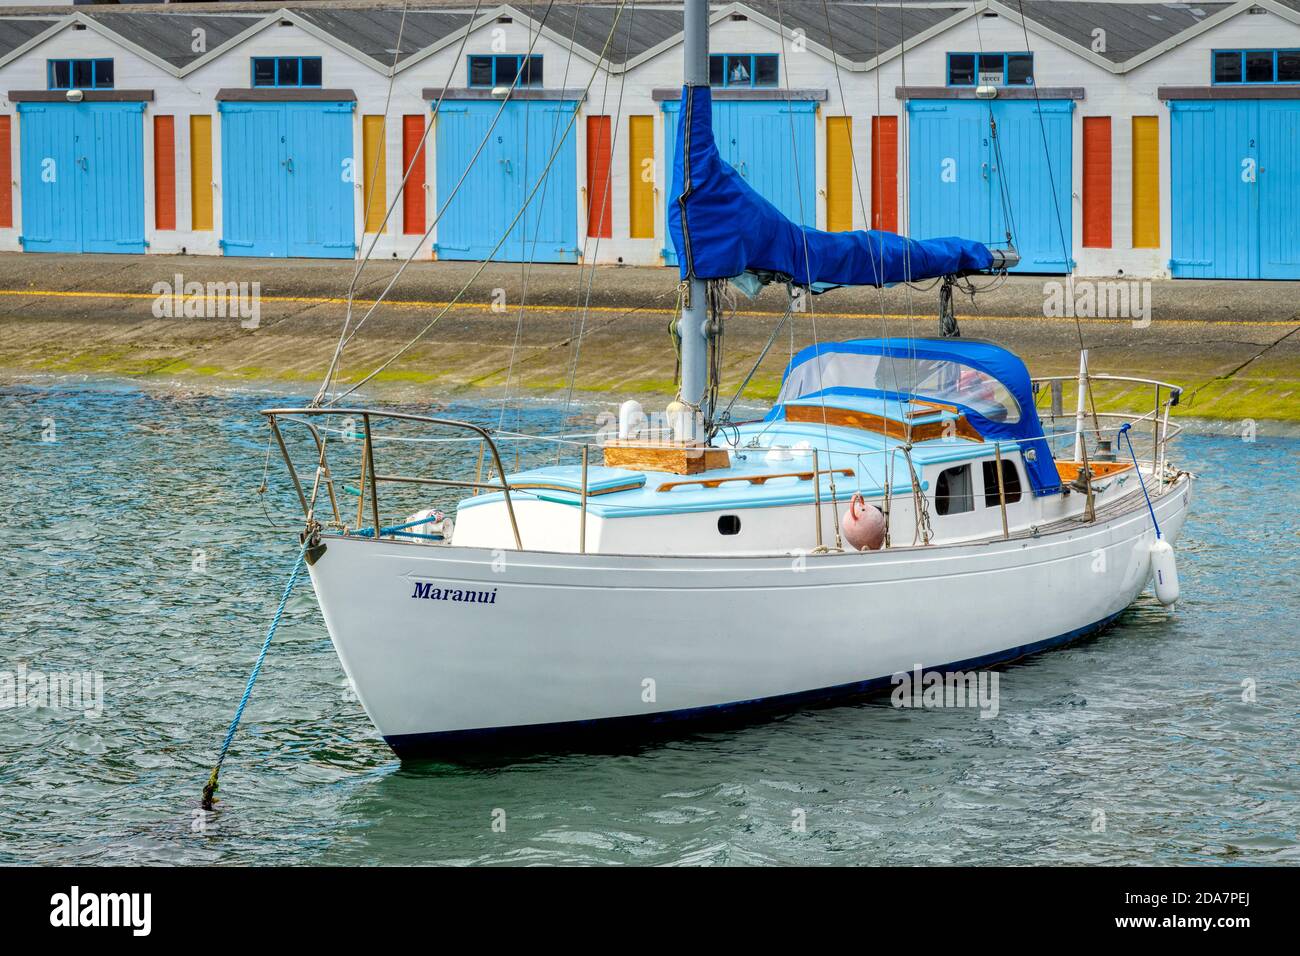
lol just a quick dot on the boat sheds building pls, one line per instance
(1136, 139)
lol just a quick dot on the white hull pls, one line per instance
(572, 638)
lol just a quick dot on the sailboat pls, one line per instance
(902, 505)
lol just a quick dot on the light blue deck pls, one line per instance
(838, 447)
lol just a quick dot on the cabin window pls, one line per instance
(502, 70)
(743, 69)
(1010, 483)
(953, 494)
(80, 74)
(729, 524)
(287, 71)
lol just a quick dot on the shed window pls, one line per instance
(961, 69)
(80, 74)
(263, 72)
(1227, 67)
(290, 71)
(1020, 69)
(1256, 66)
(995, 69)
(744, 69)
(502, 70)
(1259, 66)
(1010, 483)
(1288, 66)
(953, 494)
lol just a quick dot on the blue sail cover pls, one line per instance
(964, 373)
(722, 228)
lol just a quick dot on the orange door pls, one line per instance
(1096, 181)
(413, 222)
(164, 172)
(600, 199)
(884, 173)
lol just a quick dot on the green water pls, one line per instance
(135, 547)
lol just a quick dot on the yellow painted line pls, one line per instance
(641, 310)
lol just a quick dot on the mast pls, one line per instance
(692, 327)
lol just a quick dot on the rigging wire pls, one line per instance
(346, 337)
(526, 267)
(1060, 222)
(500, 242)
(807, 296)
(1004, 189)
(417, 156)
(591, 277)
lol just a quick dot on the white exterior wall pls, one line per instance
(1119, 96)
(130, 72)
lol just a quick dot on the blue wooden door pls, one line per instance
(82, 167)
(1030, 165)
(254, 215)
(287, 179)
(320, 180)
(110, 141)
(1213, 189)
(1235, 189)
(1279, 189)
(771, 143)
(950, 172)
(965, 182)
(503, 161)
(548, 229)
(49, 185)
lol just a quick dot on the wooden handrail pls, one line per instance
(755, 479)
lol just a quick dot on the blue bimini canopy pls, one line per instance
(723, 229)
(988, 384)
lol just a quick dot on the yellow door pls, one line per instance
(641, 176)
(839, 173)
(200, 172)
(1146, 182)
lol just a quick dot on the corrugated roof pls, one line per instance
(858, 31)
(374, 32)
(640, 27)
(14, 32)
(169, 36)
(1131, 28)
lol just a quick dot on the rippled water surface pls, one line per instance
(134, 545)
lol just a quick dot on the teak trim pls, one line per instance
(957, 427)
(755, 479)
(1069, 470)
(591, 492)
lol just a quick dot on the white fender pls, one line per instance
(1165, 571)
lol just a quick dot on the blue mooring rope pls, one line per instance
(1124, 430)
(210, 789)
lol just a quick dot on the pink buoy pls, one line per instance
(863, 525)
